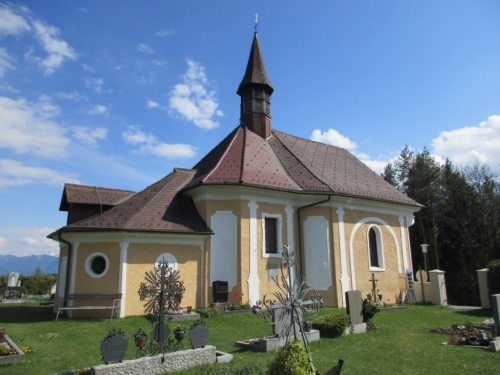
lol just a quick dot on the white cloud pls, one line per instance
(73, 96)
(150, 144)
(98, 110)
(5, 61)
(23, 241)
(95, 84)
(89, 136)
(334, 138)
(193, 100)
(144, 48)
(57, 49)
(12, 22)
(159, 62)
(29, 127)
(152, 104)
(15, 173)
(464, 146)
(3, 243)
(163, 33)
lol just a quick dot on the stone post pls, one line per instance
(482, 280)
(495, 305)
(438, 287)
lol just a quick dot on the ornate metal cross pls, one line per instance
(162, 289)
(373, 280)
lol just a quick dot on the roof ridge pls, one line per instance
(98, 187)
(222, 156)
(312, 141)
(300, 162)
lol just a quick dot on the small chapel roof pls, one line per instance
(93, 195)
(255, 72)
(158, 208)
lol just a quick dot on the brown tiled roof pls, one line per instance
(243, 158)
(255, 72)
(83, 194)
(158, 208)
(286, 162)
(341, 171)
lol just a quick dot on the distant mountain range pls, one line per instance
(27, 265)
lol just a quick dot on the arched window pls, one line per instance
(375, 249)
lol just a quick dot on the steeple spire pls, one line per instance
(255, 90)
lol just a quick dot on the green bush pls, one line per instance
(206, 312)
(37, 284)
(369, 310)
(233, 368)
(292, 359)
(494, 276)
(331, 325)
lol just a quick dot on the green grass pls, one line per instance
(401, 344)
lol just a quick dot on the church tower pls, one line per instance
(255, 90)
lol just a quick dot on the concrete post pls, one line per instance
(495, 305)
(438, 287)
(482, 280)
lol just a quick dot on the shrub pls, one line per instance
(369, 311)
(207, 312)
(233, 368)
(494, 276)
(331, 325)
(292, 359)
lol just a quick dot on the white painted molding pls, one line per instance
(351, 243)
(371, 206)
(88, 265)
(61, 277)
(74, 257)
(344, 277)
(380, 248)
(289, 226)
(403, 229)
(138, 238)
(202, 276)
(122, 283)
(253, 276)
(318, 265)
(279, 231)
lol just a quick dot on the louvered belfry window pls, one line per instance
(271, 225)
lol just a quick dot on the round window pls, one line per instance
(97, 265)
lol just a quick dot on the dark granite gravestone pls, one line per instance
(220, 291)
(354, 306)
(13, 292)
(198, 335)
(114, 347)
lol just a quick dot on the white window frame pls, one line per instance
(380, 248)
(88, 267)
(279, 230)
(169, 257)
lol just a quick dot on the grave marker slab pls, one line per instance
(354, 306)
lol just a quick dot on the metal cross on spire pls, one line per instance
(256, 21)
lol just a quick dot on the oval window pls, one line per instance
(97, 265)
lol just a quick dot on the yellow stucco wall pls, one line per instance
(142, 257)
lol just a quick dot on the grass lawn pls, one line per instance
(401, 344)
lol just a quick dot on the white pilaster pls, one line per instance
(122, 281)
(289, 233)
(202, 275)
(402, 229)
(344, 277)
(253, 276)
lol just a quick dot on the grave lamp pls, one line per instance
(140, 338)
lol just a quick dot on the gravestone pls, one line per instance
(198, 335)
(354, 306)
(220, 291)
(13, 279)
(495, 306)
(281, 322)
(114, 347)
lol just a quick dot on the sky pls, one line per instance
(118, 93)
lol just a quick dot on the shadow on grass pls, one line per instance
(26, 314)
(483, 313)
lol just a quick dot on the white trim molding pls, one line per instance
(403, 228)
(88, 265)
(344, 276)
(122, 281)
(380, 248)
(61, 276)
(279, 236)
(351, 244)
(289, 226)
(72, 283)
(253, 275)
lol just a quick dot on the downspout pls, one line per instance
(68, 268)
(299, 233)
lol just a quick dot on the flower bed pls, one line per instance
(9, 351)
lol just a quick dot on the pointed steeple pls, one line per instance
(255, 90)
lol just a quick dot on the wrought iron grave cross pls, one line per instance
(373, 280)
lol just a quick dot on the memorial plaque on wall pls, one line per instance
(220, 291)
(13, 292)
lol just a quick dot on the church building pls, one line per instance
(229, 216)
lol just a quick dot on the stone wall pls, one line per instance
(175, 361)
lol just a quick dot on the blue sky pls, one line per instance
(118, 93)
